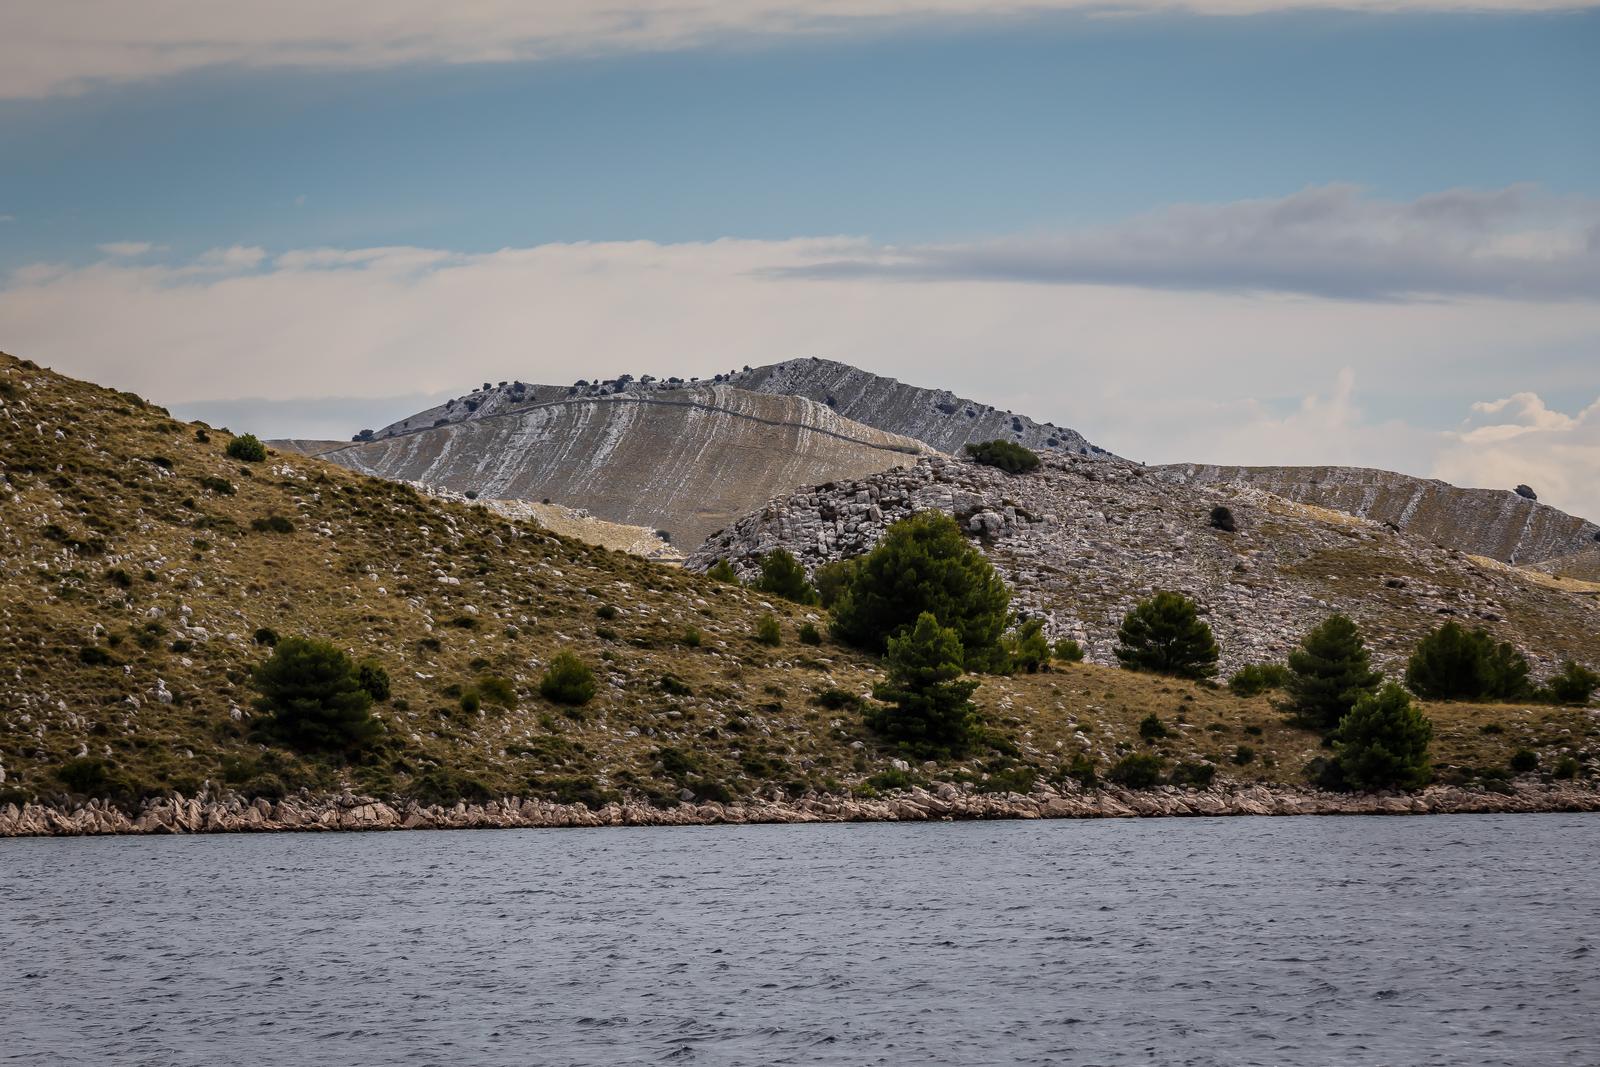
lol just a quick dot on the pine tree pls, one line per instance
(1329, 672)
(1452, 663)
(1165, 635)
(314, 697)
(930, 707)
(722, 571)
(1026, 647)
(1383, 742)
(925, 564)
(783, 576)
(1573, 685)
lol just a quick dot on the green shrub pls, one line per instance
(809, 634)
(1383, 742)
(445, 787)
(1139, 770)
(1007, 455)
(1566, 768)
(892, 779)
(247, 448)
(1083, 769)
(313, 697)
(1573, 686)
(830, 580)
(1244, 754)
(119, 577)
(835, 699)
(95, 656)
(1069, 651)
(782, 576)
(1452, 663)
(1151, 728)
(86, 774)
(371, 676)
(272, 524)
(220, 486)
(568, 680)
(722, 571)
(1026, 649)
(1256, 678)
(929, 706)
(925, 565)
(1222, 519)
(767, 631)
(265, 635)
(672, 685)
(497, 691)
(1165, 635)
(676, 763)
(1194, 775)
(606, 612)
(691, 637)
(1524, 760)
(1329, 672)
(471, 702)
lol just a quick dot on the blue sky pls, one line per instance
(922, 135)
(1231, 222)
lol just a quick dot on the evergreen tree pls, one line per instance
(1007, 455)
(568, 680)
(314, 697)
(930, 707)
(925, 564)
(1165, 635)
(1383, 742)
(722, 571)
(1329, 672)
(782, 576)
(1574, 686)
(830, 580)
(1026, 648)
(1452, 663)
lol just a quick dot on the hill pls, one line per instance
(936, 416)
(140, 567)
(1496, 523)
(686, 460)
(1081, 540)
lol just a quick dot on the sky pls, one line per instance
(1231, 231)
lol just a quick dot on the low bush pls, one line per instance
(1069, 651)
(1566, 768)
(1244, 754)
(835, 699)
(1192, 774)
(783, 576)
(247, 448)
(273, 524)
(809, 634)
(371, 676)
(767, 631)
(1222, 519)
(568, 680)
(672, 685)
(471, 702)
(265, 635)
(1006, 455)
(1026, 649)
(1524, 760)
(606, 612)
(1140, 770)
(220, 486)
(497, 691)
(830, 580)
(1257, 678)
(1151, 728)
(722, 571)
(1574, 685)
(691, 638)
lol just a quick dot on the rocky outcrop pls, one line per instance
(1080, 540)
(687, 460)
(937, 416)
(946, 801)
(1508, 525)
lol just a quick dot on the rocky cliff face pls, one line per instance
(937, 416)
(1500, 524)
(686, 460)
(1080, 540)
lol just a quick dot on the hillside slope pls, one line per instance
(687, 461)
(1483, 522)
(1080, 540)
(945, 421)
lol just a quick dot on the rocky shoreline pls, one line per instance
(177, 815)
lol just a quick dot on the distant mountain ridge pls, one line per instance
(685, 460)
(1497, 523)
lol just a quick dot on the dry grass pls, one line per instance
(126, 533)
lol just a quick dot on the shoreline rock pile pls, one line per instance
(347, 812)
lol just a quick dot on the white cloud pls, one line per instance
(1329, 241)
(51, 46)
(126, 249)
(1153, 374)
(1518, 440)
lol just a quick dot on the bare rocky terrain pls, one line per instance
(1080, 540)
(685, 460)
(937, 416)
(1496, 523)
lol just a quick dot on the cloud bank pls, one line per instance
(1331, 241)
(1150, 370)
(57, 46)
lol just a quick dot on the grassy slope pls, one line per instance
(98, 485)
